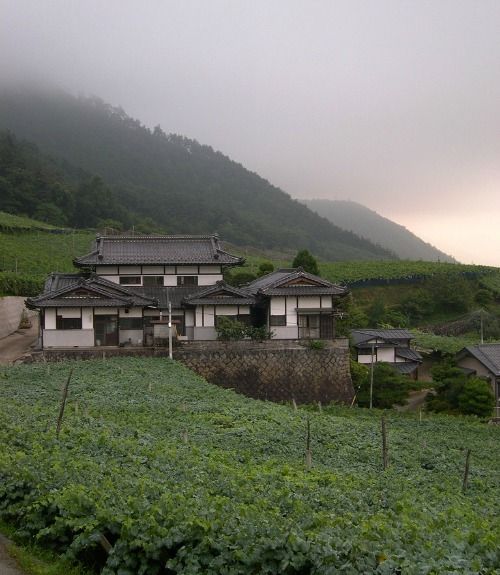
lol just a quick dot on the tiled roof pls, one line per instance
(360, 336)
(486, 353)
(157, 250)
(96, 292)
(408, 354)
(275, 284)
(406, 367)
(163, 295)
(221, 294)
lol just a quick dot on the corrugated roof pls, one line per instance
(157, 250)
(486, 353)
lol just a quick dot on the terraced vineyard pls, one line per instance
(155, 471)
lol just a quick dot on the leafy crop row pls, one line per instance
(172, 475)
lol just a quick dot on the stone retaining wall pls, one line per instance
(273, 370)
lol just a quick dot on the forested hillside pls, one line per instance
(378, 229)
(183, 186)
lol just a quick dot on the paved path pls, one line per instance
(8, 566)
(17, 344)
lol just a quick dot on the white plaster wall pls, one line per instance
(68, 338)
(104, 270)
(385, 354)
(69, 312)
(187, 270)
(209, 315)
(170, 280)
(204, 280)
(366, 358)
(199, 316)
(152, 270)
(326, 301)
(291, 314)
(87, 318)
(278, 306)
(50, 318)
(309, 301)
(130, 270)
(227, 310)
(189, 318)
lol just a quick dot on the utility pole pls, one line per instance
(481, 323)
(371, 379)
(169, 329)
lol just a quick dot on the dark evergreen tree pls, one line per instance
(304, 259)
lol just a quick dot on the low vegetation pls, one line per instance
(156, 471)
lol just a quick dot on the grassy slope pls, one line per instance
(234, 493)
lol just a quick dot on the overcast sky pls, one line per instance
(394, 104)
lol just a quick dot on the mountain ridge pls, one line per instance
(367, 223)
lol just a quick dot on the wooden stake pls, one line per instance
(63, 403)
(385, 453)
(184, 436)
(294, 403)
(106, 545)
(466, 471)
(420, 415)
(308, 445)
(320, 408)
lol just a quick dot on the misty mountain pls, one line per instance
(376, 228)
(179, 184)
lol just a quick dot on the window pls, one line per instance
(130, 280)
(131, 323)
(68, 322)
(187, 280)
(277, 320)
(152, 280)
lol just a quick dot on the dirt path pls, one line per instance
(415, 401)
(8, 566)
(17, 344)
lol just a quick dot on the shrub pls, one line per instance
(229, 329)
(476, 398)
(389, 387)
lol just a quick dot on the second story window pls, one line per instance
(130, 280)
(187, 280)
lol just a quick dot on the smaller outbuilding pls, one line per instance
(386, 345)
(483, 360)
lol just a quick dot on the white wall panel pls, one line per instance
(105, 310)
(87, 318)
(209, 315)
(69, 312)
(50, 318)
(210, 270)
(187, 270)
(278, 306)
(132, 312)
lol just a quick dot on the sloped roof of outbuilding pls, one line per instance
(360, 336)
(221, 294)
(294, 281)
(486, 353)
(157, 250)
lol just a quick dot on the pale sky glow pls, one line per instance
(391, 103)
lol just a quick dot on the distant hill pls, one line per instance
(379, 230)
(127, 171)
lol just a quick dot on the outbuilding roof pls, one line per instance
(157, 250)
(361, 336)
(486, 353)
(294, 281)
(220, 294)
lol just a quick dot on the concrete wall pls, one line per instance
(11, 308)
(68, 337)
(278, 371)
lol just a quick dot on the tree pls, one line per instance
(265, 268)
(455, 392)
(304, 259)
(476, 398)
(389, 387)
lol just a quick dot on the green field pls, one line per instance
(179, 476)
